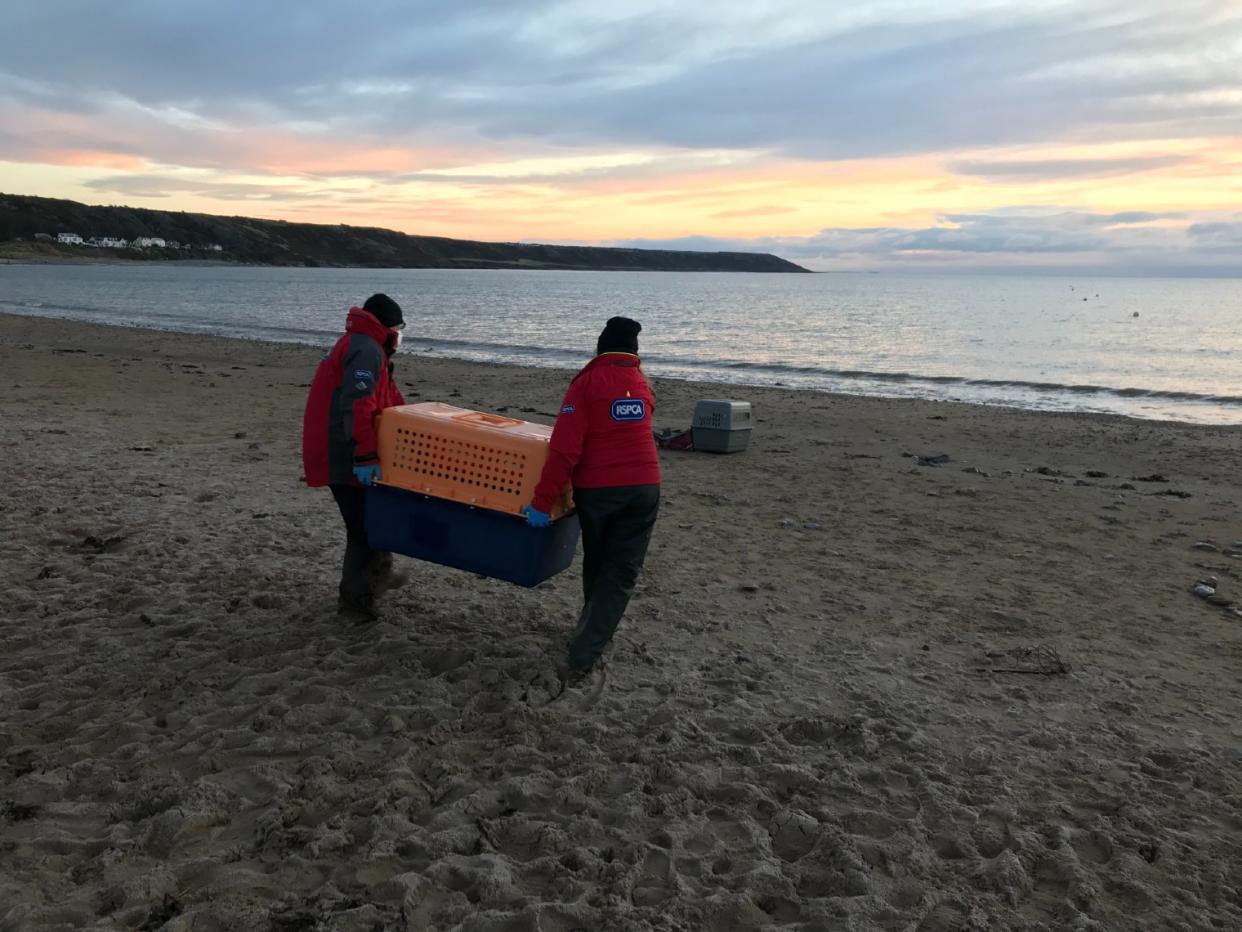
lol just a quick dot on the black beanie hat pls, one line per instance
(620, 335)
(386, 310)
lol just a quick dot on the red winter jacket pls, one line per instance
(603, 435)
(352, 385)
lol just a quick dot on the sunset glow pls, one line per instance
(823, 137)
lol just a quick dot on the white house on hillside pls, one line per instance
(116, 242)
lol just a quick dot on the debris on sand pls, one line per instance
(1041, 660)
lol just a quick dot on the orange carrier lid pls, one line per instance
(465, 456)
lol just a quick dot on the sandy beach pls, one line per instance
(860, 687)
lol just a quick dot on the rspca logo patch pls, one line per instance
(568, 409)
(629, 409)
(363, 374)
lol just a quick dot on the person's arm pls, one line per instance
(392, 381)
(360, 401)
(564, 449)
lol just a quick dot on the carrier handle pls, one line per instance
(491, 420)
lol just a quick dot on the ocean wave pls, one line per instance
(871, 375)
(730, 370)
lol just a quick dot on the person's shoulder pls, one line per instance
(635, 375)
(361, 344)
(587, 377)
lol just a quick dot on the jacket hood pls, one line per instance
(612, 358)
(366, 323)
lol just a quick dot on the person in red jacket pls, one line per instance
(604, 444)
(353, 384)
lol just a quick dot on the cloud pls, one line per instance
(170, 185)
(765, 211)
(1219, 234)
(1007, 172)
(1015, 238)
(224, 57)
(584, 168)
(1078, 71)
(1141, 216)
(794, 77)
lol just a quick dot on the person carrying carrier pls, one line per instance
(603, 442)
(353, 384)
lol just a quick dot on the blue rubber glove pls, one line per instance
(535, 517)
(367, 475)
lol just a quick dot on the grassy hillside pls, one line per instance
(275, 242)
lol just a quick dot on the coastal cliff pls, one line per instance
(29, 227)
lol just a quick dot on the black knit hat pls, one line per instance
(386, 310)
(620, 335)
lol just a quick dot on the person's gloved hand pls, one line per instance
(535, 517)
(367, 475)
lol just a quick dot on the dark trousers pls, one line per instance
(357, 583)
(616, 528)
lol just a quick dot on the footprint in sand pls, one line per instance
(944, 917)
(869, 823)
(656, 880)
(562, 698)
(446, 660)
(793, 834)
(1093, 847)
(545, 687)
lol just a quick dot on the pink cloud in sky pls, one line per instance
(588, 124)
(92, 158)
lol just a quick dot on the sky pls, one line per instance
(977, 135)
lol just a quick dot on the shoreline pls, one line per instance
(857, 684)
(513, 267)
(117, 260)
(725, 386)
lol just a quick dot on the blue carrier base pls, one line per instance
(490, 543)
